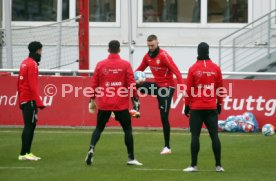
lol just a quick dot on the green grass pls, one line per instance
(244, 156)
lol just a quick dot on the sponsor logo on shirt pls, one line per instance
(112, 71)
(209, 73)
(205, 86)
(155, 68)
(115, 71)
(113, 84)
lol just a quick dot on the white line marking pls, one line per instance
(184, 133)
(157, 169)
(8, 168)
(173, 170)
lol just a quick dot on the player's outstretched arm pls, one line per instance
(143, 65)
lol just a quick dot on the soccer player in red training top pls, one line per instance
(29, 99)
(113, 76)
(162, 67)
(203, 78)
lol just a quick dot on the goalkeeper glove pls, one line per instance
(134, 113)
(218, 108)
(136, 106)
(92, 106)
(135, 103)
(187, 111)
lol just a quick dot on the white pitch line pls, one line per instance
(8, 168)
(121, 132)
(157, 169)
(173, 170)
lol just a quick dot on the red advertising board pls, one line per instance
(67, 104)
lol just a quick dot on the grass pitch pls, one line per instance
(244, 156)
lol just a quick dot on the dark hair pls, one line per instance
(152, 37)
(34, 46)
(114, 46)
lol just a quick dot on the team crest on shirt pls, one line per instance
(158, 61)
(198, 73)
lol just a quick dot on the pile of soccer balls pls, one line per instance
(241, 123)
(244, 123)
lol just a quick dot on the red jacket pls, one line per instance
(28, 82)
(110, 75)
(204, 74)
(162, 68)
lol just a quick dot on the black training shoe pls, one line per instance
(89, 157)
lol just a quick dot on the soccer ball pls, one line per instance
(240, 122)
(230, 118)
(251, 119)
(240, 126)
(247, 127)
(239, 119)
(268, 130)
(248, 116)
(139, 77)
(231, 126)
(221, 125)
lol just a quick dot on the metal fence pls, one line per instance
(249, 44)
(148, 73)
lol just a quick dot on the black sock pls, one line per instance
(194, 149)
(129, 144)
(28, 110)
(26, 137)
(166, 129)
(95, 136)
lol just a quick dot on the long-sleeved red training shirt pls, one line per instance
(28, 82)
(113, 83)
(203, 77)
(162, 68)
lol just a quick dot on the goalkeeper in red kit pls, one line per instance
(162, 67)
(29, 99)
(113, 83)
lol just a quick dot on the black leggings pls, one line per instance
(164, 97)
(210, 119)
(29, 111)
(125, 120)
